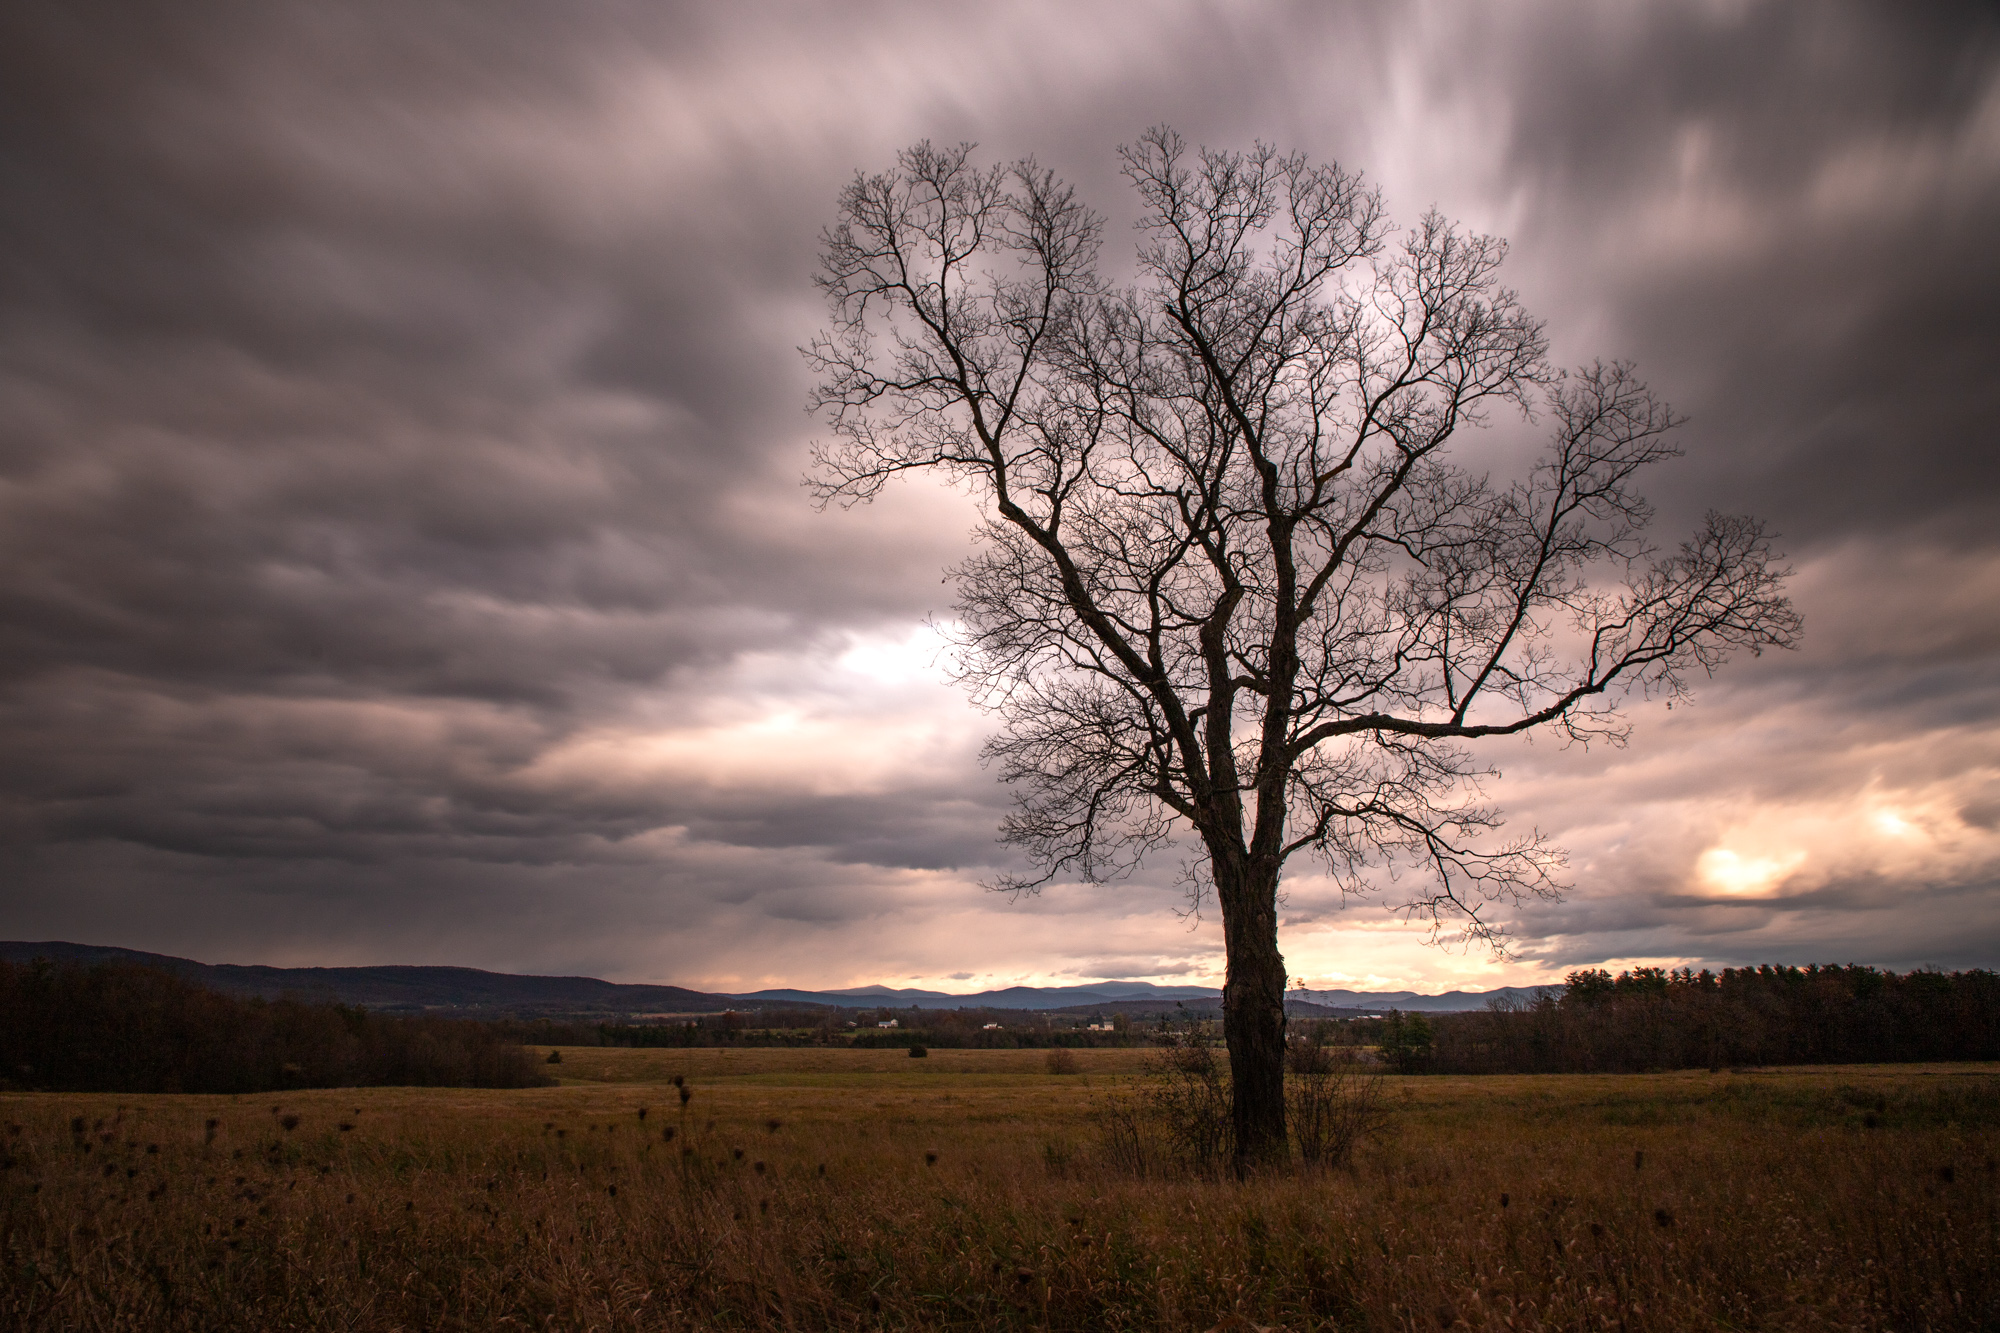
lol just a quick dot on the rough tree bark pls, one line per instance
(1232, 583)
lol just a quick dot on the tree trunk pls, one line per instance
(1253, 1013)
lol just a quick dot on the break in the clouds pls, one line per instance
(402, 556)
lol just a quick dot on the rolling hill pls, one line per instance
(476, 993)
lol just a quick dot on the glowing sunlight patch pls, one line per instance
(1728, 872)
(1891, 824)
(919, 656)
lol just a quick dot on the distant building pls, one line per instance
(891, 1023)
(989, 1027)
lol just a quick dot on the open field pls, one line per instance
(832, 1188)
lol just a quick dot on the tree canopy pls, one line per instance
(1235, 579)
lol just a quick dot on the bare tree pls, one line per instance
(1231, 581)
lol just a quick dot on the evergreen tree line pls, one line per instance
(120, 1027)
(1655, 1018)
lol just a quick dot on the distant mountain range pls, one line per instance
(501, 994)
(1125, 994)
(1012, 997)
(404, 989)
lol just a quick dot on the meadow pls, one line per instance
(829, 1188)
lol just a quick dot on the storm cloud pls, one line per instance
(403, 557)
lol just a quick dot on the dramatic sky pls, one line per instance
(403, 556)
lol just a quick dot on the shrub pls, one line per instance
(1332, 1100)
(1061, 1060)
(1178, 1119)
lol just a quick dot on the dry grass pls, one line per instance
(834, 1189)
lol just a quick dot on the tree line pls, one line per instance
(1655, 1018)
(121, 1027)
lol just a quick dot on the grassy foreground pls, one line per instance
(860, 1189)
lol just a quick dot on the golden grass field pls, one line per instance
(810, 1189)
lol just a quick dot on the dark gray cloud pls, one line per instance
(402, 557)
(1785, 206)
